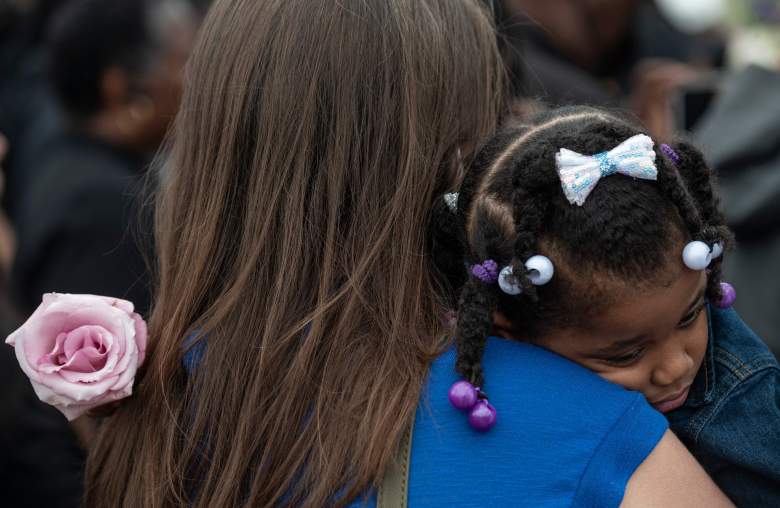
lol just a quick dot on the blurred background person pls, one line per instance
(41, 460)
(83, 107)
(116, 70)
(587, 51)
(739, 126)
(87, 89)
(734, 115)
(29, 115)
(7, 236)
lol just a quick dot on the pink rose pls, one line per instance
(80, 351)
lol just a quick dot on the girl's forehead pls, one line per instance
(637, 311)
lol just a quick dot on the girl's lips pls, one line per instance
(673, 401)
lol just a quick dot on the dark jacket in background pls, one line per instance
(741, 136)
(41, 462)
(29, 114)
(550, 76)
(78, 231)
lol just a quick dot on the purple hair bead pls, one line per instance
(670, 154)
(463, 395)
(727, 295)
(487, 271)
(483, 416)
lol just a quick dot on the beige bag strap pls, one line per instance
(393, 492)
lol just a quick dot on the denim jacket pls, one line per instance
(731, 420)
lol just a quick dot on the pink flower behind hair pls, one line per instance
(80, 351)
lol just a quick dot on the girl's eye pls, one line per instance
(627, 359)
(690, 318)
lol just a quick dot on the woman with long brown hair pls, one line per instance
(293, 244)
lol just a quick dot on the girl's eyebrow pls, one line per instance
(696, 301)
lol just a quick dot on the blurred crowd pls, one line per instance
(88, 89)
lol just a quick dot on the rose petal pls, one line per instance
(46, 301)
(87, 360)
(21, 357)
(81, 338)
(55, 353)
(128, 375)
(123, 392)
(140, 337)
(76, 374)
(94, 338)
(123, 305)
(74, 304)
(115, 323)
(130, 348)
(75, 391)
(74, 411)
(49, 396)
(87, 364)
(40, 335)
(109, 318)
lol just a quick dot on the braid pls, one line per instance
(530, 204)
(673, 186)
(447, 250)
(448, 245)
(475, 322)
(478, 301)
(699, 180)
(482, 164)
(714, 276)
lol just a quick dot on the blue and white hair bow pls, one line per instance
(580, 173)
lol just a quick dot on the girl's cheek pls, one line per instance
(696, 343)
(702, 329)
(632, 378)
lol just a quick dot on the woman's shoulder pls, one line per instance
(521, 374)
(563, 435)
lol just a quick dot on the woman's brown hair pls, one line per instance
(313, 138)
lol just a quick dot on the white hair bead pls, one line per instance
(505, 282)
(696, 255)
(717, 250)
(540, 268)
(451, 198)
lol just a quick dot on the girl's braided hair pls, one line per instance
(511, 207)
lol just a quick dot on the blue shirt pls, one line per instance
(731, 419)
(564, 436)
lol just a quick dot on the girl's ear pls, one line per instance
(447, 247)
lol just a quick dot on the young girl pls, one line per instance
(585, 238)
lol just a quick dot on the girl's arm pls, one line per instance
(671, 477)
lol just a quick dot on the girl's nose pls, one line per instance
(674, 363)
